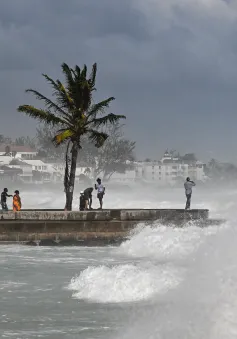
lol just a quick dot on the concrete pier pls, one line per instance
(89, 228)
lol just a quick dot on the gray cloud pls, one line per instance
(170, 64)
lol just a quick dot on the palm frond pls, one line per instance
(73, 73)
(63, 136)
(108, 119)
(59, 91)
(84, 72)
(48, 103)
(100, 107)
(77, 72)
(98, 138)
(68, 75)
(64, 98)
(52, 83)
(41, 115)
(92, 77)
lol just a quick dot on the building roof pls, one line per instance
(35, 162)
(49, 167)
(18, 162)
(17, 148)
(8, 169)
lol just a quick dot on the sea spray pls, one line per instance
(123, 283)
(155, 253)
(161, 242)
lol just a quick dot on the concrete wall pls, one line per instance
(85, 228)
(64, 231)
(121, 215)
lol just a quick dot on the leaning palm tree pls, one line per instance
(74, 115)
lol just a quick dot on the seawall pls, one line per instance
(89, 228)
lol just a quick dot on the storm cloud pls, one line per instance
(171, 64)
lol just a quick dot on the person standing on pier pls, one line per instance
(16, 201)
(4, 196)
(188, 185)
(101, 191)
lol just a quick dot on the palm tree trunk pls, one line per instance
(70, 185)
(66, 172)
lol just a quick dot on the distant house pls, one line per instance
(37, 165)
(26, 174)
(9, 173)
(28, 170)
(44, 171)
(16, 151)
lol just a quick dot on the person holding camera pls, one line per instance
(188, 185)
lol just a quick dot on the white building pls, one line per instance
(169, 170)
(37, 165)
(46, 171)
(20, 152)
(161, 173)
(36, 171)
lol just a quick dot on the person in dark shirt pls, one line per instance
(88, 197)
(82, 202)
(4, 196)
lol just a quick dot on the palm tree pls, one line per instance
(73, 114)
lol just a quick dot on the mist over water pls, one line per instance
(219, 199)
(163, 282)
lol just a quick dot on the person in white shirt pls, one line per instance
(188, 185)
(101, 191)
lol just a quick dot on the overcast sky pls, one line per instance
(171, 64)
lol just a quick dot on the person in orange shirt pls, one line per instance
(16, 201)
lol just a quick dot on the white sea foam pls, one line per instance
(164, 242)
(153, 252)
(123, 283)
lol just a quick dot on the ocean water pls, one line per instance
(163, 282)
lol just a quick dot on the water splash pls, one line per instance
(123, 283)
(165, 242)
(155, 254)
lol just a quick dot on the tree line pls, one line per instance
(116, 155)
